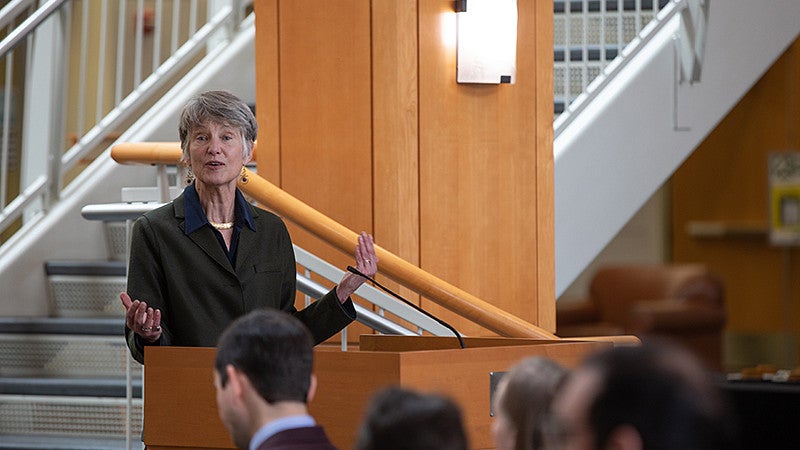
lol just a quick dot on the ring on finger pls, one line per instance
(146, 328)
(157, 328)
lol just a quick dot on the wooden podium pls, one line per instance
(180, 409)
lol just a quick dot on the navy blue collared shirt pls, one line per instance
(196, 219)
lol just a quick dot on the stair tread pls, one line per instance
(576, 6)
(49, 442)
(86, 267)
(593, 53)
(96, 326)
(72, 387)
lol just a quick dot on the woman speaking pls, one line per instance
(208, 257)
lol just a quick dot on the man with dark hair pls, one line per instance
(264, 381)
(402, 419)
(653, 396)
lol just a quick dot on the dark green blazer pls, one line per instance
(190, 279)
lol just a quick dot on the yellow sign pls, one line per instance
(784, 201)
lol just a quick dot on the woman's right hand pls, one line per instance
(144, 321)
(366, 263)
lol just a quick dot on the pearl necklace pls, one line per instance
(221, 226)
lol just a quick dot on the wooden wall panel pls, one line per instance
(371, 128)
(395, 130)
(268, 156)
(478, 171)
(323, 119)
(325, 107)
(539, 42)
(725, 180)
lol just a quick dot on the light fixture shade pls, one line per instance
(487, 41)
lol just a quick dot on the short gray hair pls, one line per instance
(221, 107)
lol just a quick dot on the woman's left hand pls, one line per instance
(366, 263)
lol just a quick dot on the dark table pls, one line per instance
(768, 413)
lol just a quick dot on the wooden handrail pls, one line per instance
(330, 231)
(623, 340)
(151, 152)
(147, 152)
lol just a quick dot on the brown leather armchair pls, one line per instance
(683, 302)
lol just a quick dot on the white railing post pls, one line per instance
(694, 18)
(42, 122)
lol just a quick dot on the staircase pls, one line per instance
(63, 379)
(641, 125)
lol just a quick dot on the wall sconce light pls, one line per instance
(487, 41)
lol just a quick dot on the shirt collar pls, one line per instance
(195, 217)
(278, 425)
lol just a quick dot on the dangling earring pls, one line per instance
(244, 175)
(189, 175)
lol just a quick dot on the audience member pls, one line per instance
(522, 402)
(401, 419)
(263, 378)
(653, 396)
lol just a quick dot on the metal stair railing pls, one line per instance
(52, 125)
(586, 64)
(588, 35)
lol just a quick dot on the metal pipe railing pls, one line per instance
(140, 94)
(88, 90)
(19, 33)
(13, 9)
(363, 315)
(14, 210)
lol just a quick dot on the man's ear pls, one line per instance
(235, 381)
(624, 437)
(312, 389)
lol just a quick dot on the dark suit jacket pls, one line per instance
(307, 438)
(192, 282)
